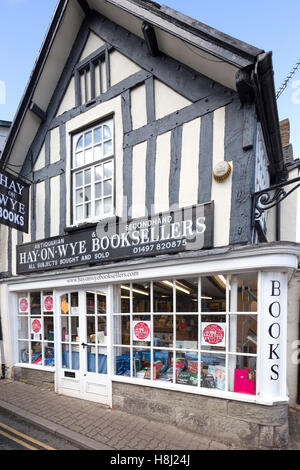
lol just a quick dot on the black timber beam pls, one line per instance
(85, 6)
(38, 111)
(150, 39)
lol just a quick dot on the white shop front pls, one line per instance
(211, 323)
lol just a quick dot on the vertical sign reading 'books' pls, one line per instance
(14, 202)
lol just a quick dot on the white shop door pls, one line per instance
(83, 345)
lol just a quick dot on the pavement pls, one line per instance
(92, 426)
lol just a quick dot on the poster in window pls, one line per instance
(36, 328)
(23, 305)
(214, 334)
(48, 303)
(142, 331)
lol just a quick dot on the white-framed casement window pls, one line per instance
(93, 173)
(194, 333)
(35, 322)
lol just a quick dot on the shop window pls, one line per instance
(36, 329)
(190, 337)
(93, 173)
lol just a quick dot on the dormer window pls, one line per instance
(93, 173)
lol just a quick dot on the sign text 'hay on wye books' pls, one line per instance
(14, 202)
(176, 231)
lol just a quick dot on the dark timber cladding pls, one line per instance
(243, 158)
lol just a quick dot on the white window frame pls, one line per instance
(29, 341)
(92, 165)
(226, 352)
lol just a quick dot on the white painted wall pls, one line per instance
(138, 180)
(167, 101)
(221, 192)
(189, 177)
(55, 206)
(162, 172)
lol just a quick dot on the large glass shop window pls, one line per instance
(36, 329)
(193, 332)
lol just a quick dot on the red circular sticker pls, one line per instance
(141, 331)
(23, 305)
(213, 334)
(48, 303)
(36, 326)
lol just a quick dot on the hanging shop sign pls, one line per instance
(214, 334)
(14, 202)
(141, 331)
(172, 232)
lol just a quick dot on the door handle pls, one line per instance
(84, 345)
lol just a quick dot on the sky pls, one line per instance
(271, 25)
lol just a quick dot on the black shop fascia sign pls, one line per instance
(187, 229)
(14, 202)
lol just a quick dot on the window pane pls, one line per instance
(121, 361)
(23, 352)
(108, 148)
(163, 331)
(243, 293)
(88, 139)
(36, 354)
(65, 329)
(243, 333)
(99, 173)
(125, 299)
(75, 357)
(106, 132)
(98, 190)
(87, 177)
(141, 364)
(91, 329)
(88, 156)
(187, 369)
(101, 304)
(122, 330)
(141, 330)
(107, 207)
(65, 358)
(213, 371)
(79, 213)
(49, 356)
(242, 374)
(79, 145)
(141, 297)
(98, 152)
(163, 366)
(163, 296)
(107, 190)
(79, 179)
(213, 293)
(35, 303)
(48, 329)
(187, 295)
(98, 135)
(87, 213)
(23, 328)
(108, 170)
(98, 208)
(213, 332)
(79, 159)
(88, 193)
(79, 196)
(187, 331)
